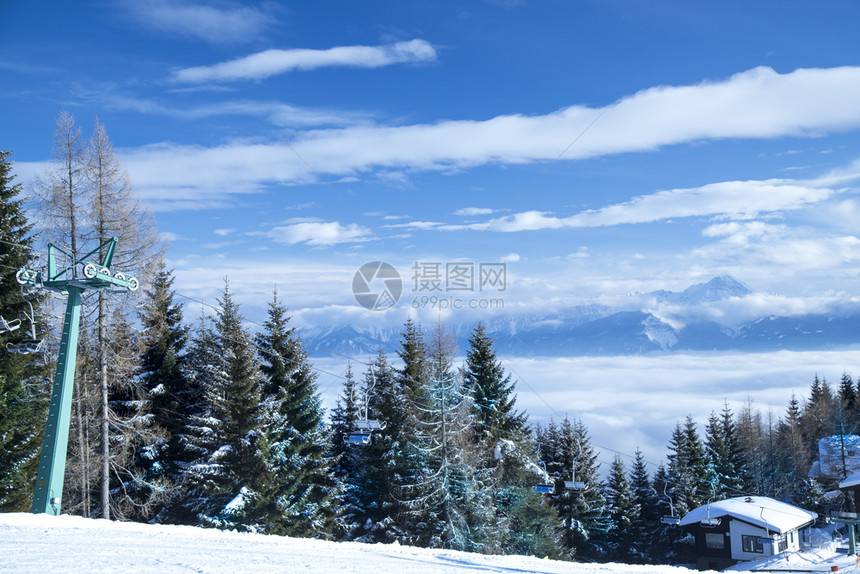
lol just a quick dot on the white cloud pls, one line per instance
(273, 62)
(425, 225)
(756, 104)
(469, 211)
(319, 233)
(223, 232)
(733, 199)
(511, 258)
(277, 113)
(215, 24)
(169, 236)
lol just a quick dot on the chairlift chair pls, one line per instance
(671, 519)
(709, 522)
(369, 425)
(358, 438)
(27, 346)
(9, 326)
(547, 486)
(364, 428)
(573, 484)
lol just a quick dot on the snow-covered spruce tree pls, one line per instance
(383, 472)
(417, 518)
(810, 495)
(221, 480)
(293, 494)
(196, 424)
(451, 496)
(724, 454)
(501, 440)
(645, 523)
(688, 480)
(688, 474)
(346, 459)
(492, 391)
(164, 376)
(131, 496)
(24, 379)
(583, 516)
(622, 510)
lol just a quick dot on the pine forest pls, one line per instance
(201, 421)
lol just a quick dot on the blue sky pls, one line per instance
(596, 148)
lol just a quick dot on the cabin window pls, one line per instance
(715, 541)
(752, 544)
(782, 544)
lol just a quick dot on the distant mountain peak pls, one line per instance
(717, 289)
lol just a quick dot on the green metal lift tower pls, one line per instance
(75, 277)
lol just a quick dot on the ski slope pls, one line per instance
(63, 544)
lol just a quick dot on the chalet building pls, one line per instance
(745, 528)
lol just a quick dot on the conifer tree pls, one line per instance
(346, 459)
(24, 382)
(645, 523)
(582, 512)
(457, 497)
(221, 480)
(847, 395)
(294, 491)
(417, 494)
(622, 511)
(819, 415)
(492, 390)
(196, 427)
(169, 395)
(382, 473)
(724, 456)
(424, 501)
(793, 456)
(687, 471)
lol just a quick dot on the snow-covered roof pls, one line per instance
(761, 511)
(851, 481)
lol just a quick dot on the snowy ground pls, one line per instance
(60, 544)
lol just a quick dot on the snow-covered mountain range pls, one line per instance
(719, 315)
